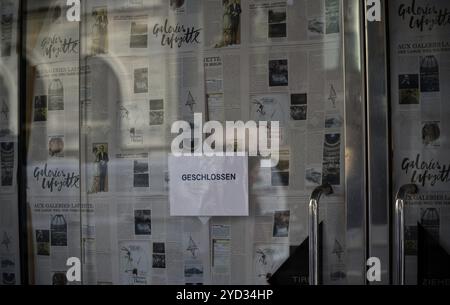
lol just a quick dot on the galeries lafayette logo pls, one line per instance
(176, 35)
(55, 179)
(424, 17)
(426, 172)
(55, 46)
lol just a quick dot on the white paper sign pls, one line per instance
(208, 186)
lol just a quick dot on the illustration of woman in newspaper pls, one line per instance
(265, 266)
(226, 23)
(134, 263)
(100, 31)
(131, 267)
(235, 18)
(230, 23)
(95, 178)
(100, 171)
(102, 159)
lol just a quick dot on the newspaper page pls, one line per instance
(276, 22)
(162, 61)
(419, 78)
(53, 176)
(223, 86)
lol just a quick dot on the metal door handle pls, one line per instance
(313, 218)
(399, 228)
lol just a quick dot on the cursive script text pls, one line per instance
(426, 172)
(425, 17)
(55, 179)
(176, 34)
(55, 46)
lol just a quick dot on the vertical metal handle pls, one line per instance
(313, 225)
(399, 228)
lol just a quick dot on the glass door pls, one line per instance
(105, 99)
(420, 78)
